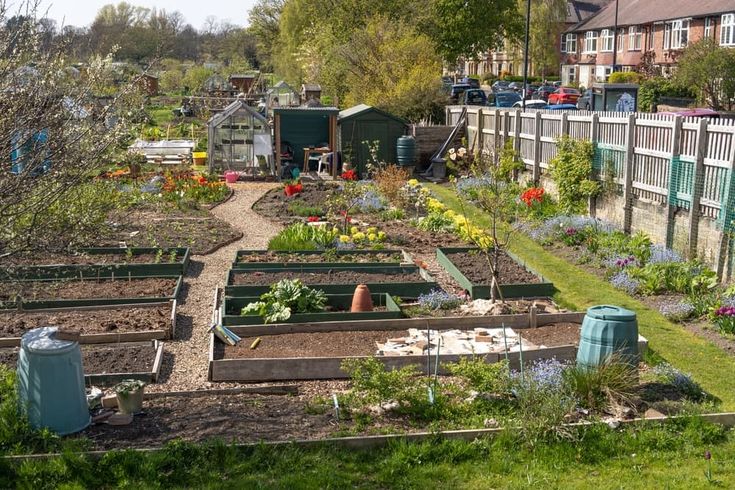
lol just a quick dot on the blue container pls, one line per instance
(406, 150)
(51, 382)
(608, 330)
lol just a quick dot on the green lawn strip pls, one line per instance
(709, 365)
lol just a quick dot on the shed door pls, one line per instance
(371, 131)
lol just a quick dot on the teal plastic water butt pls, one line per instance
(51, 382)
(406, 150)
(606, 330)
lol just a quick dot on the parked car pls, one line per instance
(561, 107)
(531, 104)
(503, 99)
(515, 86)
(500, 86)
(544, 91)
(564, 95)
(457, 90)
(556, 84)
(474, 96)
(472, 82)
(695, 113)
(584, 103)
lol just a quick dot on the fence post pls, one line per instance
(479, 141)
(594, 128)
(564, 124)
(537, 150)
(628, 174)
(497, 128)
(697, 187)
(675, 152)
(506, 123)
(517, 132)
(448, 115)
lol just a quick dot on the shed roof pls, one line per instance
(311, 87)
(311, 110)
(233, 108)
(359, 109)
(282, 85)
(637, 12)
(243, 75)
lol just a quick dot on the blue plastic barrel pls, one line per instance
(608, 330)
(51, 382)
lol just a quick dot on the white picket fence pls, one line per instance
(645, 149)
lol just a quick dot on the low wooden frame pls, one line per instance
(406, 260)
(111, 338)
(113, 378)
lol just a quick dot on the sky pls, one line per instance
(82, 12)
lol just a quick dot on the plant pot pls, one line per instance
(131, 402)
(440, 170)
(289, 190)
(231, 177)
(362, 300)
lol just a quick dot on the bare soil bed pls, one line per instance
(287, 257)
(313, 344)
(474, 266)
(101, 360)
(89, 259)
(413, 240)
(234, 418)
(554, 335)
(198, 229)
(326, 277)
(91, 288)
(275, 204)
(114, 320)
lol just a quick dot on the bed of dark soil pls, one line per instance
(475, 268)
(275, 204)
(89, 259)
(413, 240)
(102, 360)
(327, 277)
(313, 344)
(554, 335)
(233, 418)
(287, 257)
(113, 320)
(197, 229)
(148, 287)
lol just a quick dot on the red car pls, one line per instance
(564, 95)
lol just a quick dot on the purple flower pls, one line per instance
(621, 280)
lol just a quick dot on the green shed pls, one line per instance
(302, 129)
(366, 123)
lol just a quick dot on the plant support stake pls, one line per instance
(336, 405)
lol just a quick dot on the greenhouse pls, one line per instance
(239, 139)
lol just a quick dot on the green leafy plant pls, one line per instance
(128, 386)
(599, 387)
(483, 377)
(286, 297)
(571, 170)
(301, 237)
(436, 222)
(299, 209)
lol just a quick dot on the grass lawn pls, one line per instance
(578, 289)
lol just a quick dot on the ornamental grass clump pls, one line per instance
(602, 387)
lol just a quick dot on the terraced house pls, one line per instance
(661, 27)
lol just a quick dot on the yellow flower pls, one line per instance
(372, 237)
(449, 214)
(354, 230)
(381, 235)
(359, 236)
(344, 239)
(335, 230)
(372, 230)
(413, 182)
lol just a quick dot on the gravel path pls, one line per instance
(185, 358)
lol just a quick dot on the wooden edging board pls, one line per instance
(392, 311)
(518, 322)
(110, 338)
(726, 419)
(404, 289)
(407, 260)
(311, 368)
(72, 271)
(72, 303)
(149, 376)
(543, 288)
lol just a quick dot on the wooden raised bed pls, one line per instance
(404, 289)
(35, 304)
(543, 288)
(108, 337)
(309, 368)
(70, 271)
(110, 378)
(240, 264)
(232, 306)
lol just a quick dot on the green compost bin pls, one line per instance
(608, 330)
(51, 382)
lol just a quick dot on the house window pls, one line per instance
(590, 42)
(634, 38)
(563, 46)
(667, 36)
(709, 24)
(571, 41)
(607, 40)
(652, 37)
(679, 33)
(727, 30)
(621, 39)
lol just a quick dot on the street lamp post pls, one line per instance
(615, 39)
(525, 55)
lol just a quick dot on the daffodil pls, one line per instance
(359, 236)
(354, 230)
(413, 182)
(381, 235)
(344, 239)
(372, 230)
(372, 237)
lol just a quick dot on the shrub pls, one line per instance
(624, 77)
(389, 181)
(571, 170)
